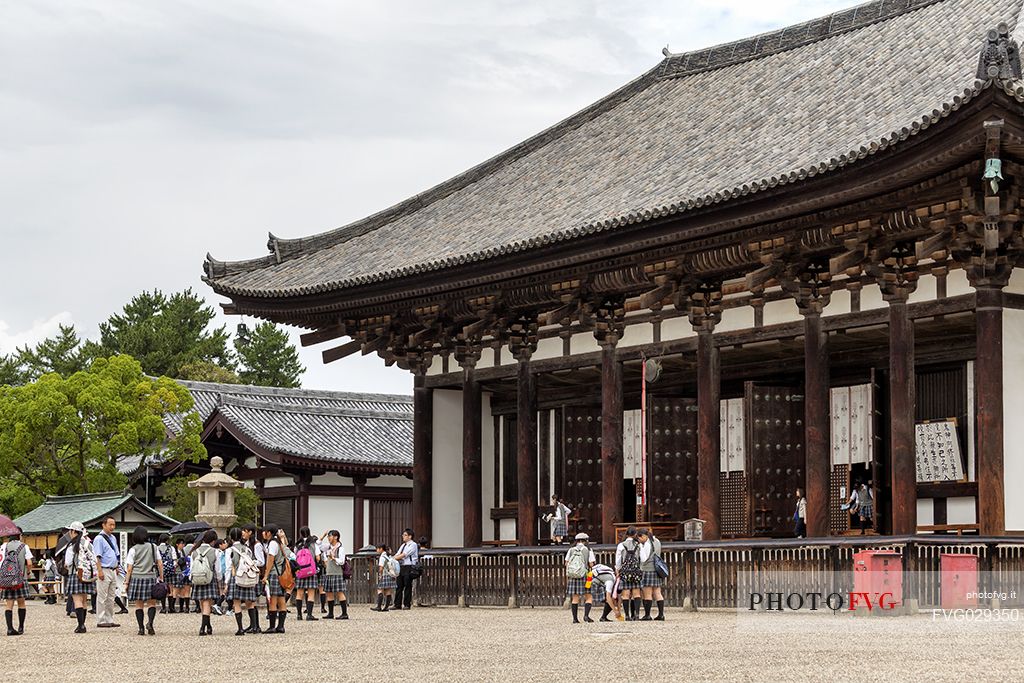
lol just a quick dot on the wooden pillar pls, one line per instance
(612, 473)
(358, 519)
(817, 468)
(526, 452)
(422, 458)
(903, 453)
(708, 436)
(302, 482)
(988, 390)
(472, 493)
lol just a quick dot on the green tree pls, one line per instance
(268, 358)
(205, 371)
(184, 501)
(63, 354)
(64, 436)
(11, 370)
(164, 333)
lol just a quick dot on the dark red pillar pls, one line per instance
(472, 495)
(422, 458)
(988, 390)
(708, 437)
(526, 453)
(816, 425)
(612, 473)
(903, 458)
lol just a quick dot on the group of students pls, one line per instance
(214, 573)
(634, 582)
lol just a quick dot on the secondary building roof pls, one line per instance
(57, 512)
(699, 128)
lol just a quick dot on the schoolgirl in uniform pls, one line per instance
(242, 543)
(169, 558)
(83, 567)
(559, 520)
(306, 587)
(275, 545)
(630, 586)
(603, 589)
(143, 567)
(335, 584)
(386, 582)
(577, 587)
(49, 578)
(651, 584)
(23, 556)
(206, 552)
(181, 578)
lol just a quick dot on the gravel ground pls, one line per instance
(453, 644)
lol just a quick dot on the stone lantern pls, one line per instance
(216, 497)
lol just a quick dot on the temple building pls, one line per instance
(782, 262)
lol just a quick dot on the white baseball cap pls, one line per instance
(582, 537)
(76, 526)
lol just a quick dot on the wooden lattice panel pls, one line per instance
(732, 504)
(775, 456)
(839, 519)
(581, 473)
(672, 458)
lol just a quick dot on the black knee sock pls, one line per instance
(575, 613)
(661, 608)
(140, 617)
(182, 605)
(151, 615)
(163, 603)
(323, 601)
(92, 602)
(9, 616)
(310, 604)
(380, 600)
(344, 608)
(272, 618)
(298, 608)
(607, 611)
(120, 604)
(387, 603)
(80, 613)
(627, 608)
(330, 610)
(206, 623)
(586, 610)
(280, 620)
(238, 620)
(21, 618)
(647, 608)
(636, 608)
(254, 618)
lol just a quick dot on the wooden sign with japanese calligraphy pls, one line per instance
(938, 451)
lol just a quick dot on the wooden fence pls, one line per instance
(708, 574)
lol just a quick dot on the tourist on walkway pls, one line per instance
(109, 556)
(603, 590)
(19, 560)
(862, 503)
(579, 560)
(275, 546)
(559, 520)
(181, 575)
(223, 574)
(306, 585)
(627, 570)
(335, 585)
(143, 568)
(50, 578)
(800, 514)
(408, 556)
(169, 559)
(650, 547)
(83, 567)
(386, 578)
(241, 559)
(205, 587)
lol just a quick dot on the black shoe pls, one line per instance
(343, 617)
(21, 630)
(575, 621)
(150, 631)
(92, 611)
(588, 620)
(279, 629)
(11, 632)
(240, 632)
(299, 616)
(202, 631)
(646, 618)
(660, 617)
(142, 631)
(310, 617)
(80, 629)
(376, 609)
(604, 619)
(121, 611)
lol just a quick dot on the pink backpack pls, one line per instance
(307, 564)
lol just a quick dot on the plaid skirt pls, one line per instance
(308, 583)
(210, 591)
(576, 587)
(559, 528)
(336, 583)
(651, 579)
(140, 589)
(321, 579)
(597, 590)
(76, 587)
(236, 592)
(386, 582)
(625, 585)
(275, 586)
(179, 580)
(865, 511)
(14, 593)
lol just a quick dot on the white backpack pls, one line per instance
(247, 573)
(202, 572)
(578, 562)
(393, 566)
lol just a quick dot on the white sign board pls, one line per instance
(938, 452)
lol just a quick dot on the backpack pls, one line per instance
(346, 570)
(247, 573)
(392, 566)
(577, 567)
(12, 574)
(58, 563)
(307, 564)
(630, 570)
(202, 572)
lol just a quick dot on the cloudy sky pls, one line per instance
(135, 136)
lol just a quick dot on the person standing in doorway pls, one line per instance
(109, 556)
(559, 520)
(19, 559)
(408, 556)
(862, 504)
(800, 514)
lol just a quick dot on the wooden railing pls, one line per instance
(707, 575)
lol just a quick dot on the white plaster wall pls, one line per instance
(1013, 424)
(960, 510)
(676, 328)
(925, 511)
(871, 297)
(447, 479)
(389, 480)
(926, 289)
(971, 458)
(436, 366)
(507, 528)
(741, 318)
(956, 282)
(278, 481)
(366, 524)
(333, 512)
(332, 479)
(640, 333)
(782, 311)
(1016, 284)
(583, 343)
(548, 348)
(839, 303)
(251, 462)
(487, 465)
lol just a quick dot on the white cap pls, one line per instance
(76, 526)
(582, 537)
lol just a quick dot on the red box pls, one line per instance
(877, 579)
(958, 580)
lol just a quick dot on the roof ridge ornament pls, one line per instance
(1000, 56)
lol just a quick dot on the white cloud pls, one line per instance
(35, 333)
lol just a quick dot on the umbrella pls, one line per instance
(189, 528)
(7, 527)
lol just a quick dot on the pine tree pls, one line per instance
(268, 358)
